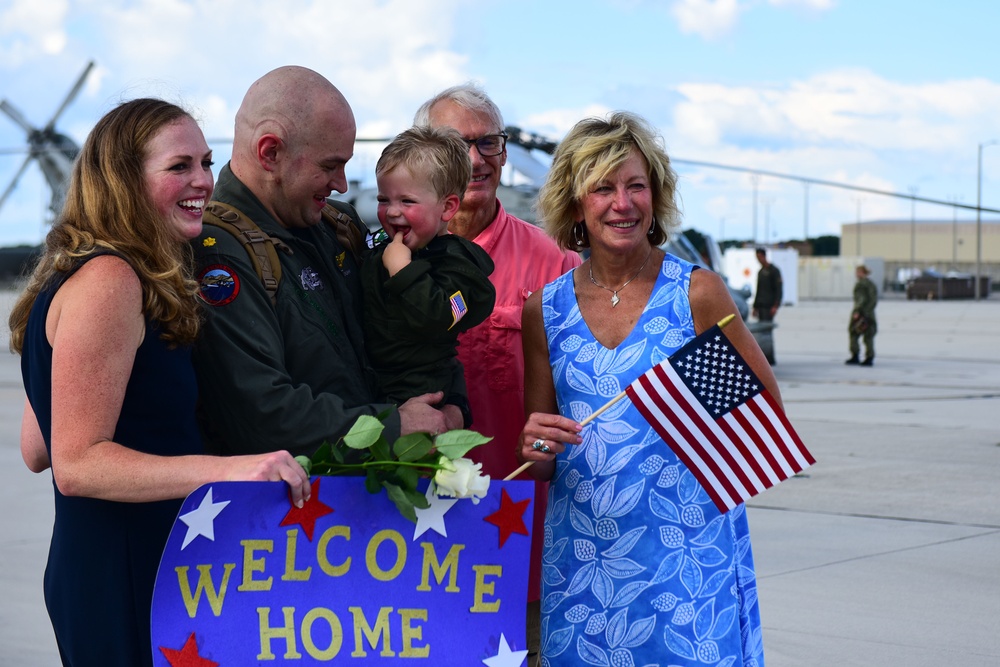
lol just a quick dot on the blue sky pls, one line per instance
(882, 94)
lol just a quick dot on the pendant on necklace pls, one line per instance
(614, 299)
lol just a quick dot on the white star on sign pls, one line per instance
(201, 521)
(506, 657)
(433, 516)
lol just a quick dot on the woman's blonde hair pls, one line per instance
(591, 152)
(108, 208)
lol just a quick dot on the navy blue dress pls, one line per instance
(104, 555)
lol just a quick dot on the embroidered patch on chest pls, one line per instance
(377, 238)
(218, 284)
(310, 279)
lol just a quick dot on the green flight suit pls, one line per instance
(288, 375)
(863, 326)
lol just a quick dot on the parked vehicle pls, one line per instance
(931, 285)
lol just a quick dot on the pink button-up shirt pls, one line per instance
(526, 259)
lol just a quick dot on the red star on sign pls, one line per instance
(306, 517)
(510, 517)
(187, 656)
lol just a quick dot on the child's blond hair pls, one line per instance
(439, 154)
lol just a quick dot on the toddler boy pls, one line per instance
(423, 286)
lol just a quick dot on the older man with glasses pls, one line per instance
(526, 259)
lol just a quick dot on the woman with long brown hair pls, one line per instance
(104, 328)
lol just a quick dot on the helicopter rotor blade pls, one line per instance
(17, 177)
(16, 116)
(15, 151)
(74, 91)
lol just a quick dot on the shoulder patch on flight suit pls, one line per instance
(218, 284)
(458, 307)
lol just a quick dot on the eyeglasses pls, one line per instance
(489, 145)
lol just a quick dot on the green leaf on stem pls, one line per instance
(365, 432)
(380, 450)
(323, 453)
(455, 444)
(372, 483)
(412, 447)
(407, 478)
(404, 503)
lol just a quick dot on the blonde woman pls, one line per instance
(642, 568)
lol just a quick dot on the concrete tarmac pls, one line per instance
(885, 553)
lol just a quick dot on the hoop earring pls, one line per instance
(579, 235)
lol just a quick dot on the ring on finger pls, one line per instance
(544, 449)
(539, 446)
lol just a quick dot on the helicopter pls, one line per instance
(52, 150)
(54, 153)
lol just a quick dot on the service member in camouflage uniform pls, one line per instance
(767, 297)
(862, 324)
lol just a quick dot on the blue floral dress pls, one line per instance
(639, 566)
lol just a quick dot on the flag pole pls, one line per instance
(594, 415)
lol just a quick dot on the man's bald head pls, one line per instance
(294, 135)
(288, 102)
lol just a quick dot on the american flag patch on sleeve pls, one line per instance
(458, 307)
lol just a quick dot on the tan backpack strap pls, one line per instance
(348, 232)
(258, 244)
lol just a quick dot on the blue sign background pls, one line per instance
(236, 587)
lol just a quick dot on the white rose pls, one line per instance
(461, 478)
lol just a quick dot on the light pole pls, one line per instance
(979, 214)
(858, 230)
(913, 227)
(767, 220)
(954, 234)
(805, 212)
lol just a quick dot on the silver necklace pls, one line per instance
(614, 292)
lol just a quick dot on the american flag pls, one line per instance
(716, 415)
(458, 307)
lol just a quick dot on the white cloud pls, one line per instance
(845, 126)
(712, 19)
(820, 5)
(839, 108)
(708, 18)
(31, 27)
(555, 123)
(386, 57)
